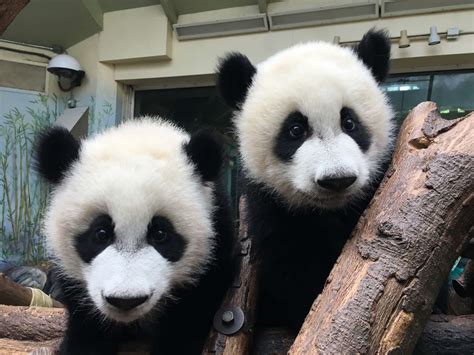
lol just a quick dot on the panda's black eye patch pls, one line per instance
(163, 237)
(293, 132)
(96, 238)
(352, 126)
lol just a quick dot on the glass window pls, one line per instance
(454, 93)
(192, 109)
(405, 92)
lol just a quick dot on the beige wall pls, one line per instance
(135, 35)
(99, 80)
(198, 57)
(192, 63)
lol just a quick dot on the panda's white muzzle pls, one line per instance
(125, 285)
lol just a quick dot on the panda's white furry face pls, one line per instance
(131, 219)
(314, 125)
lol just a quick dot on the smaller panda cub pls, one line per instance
(140, 233)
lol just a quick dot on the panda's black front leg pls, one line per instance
(84, 337)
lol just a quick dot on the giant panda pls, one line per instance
(314, 130)
(140, 233)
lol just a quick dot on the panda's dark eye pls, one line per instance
(101, 236)
(160, 236)
(348, 124)
(297, 130)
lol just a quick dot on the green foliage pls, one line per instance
(99, 120)
(23, 195)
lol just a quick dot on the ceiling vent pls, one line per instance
(323, 15)
(232, 26)
(404, 7)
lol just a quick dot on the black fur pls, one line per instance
(296, 250)
(374, 51)
(360, 134)
(234, 77)
(178, 326)
(56, 149)
(286, 145)
(172, 245)
(87, 245)
(205, 151)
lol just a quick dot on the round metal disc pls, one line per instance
(229, 320)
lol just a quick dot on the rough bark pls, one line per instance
(380, 292)
(447, 335)
(31, 323)
(242, 294)
(23, 347)
(272, 341)
(14, 294)
(9, 9)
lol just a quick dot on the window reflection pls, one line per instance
(453, 92)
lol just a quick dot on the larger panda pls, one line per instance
(140, 233)
(315, 130)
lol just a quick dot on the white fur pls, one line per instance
(132, 173)
(317, 79)
(142, 272)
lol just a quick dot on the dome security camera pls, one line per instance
(68, 70)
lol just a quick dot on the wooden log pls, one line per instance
(242, 295)
(442, 335)
(14, 294)
(31, 323)
(273, 340)
(447, 335)
(381, 290)
(9, 9)
(24, 347)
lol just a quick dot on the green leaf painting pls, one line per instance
(23, 196)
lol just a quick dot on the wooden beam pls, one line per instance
(14, 294)
(381, 291)
(170, 11)
(9, 9)
(447, 335)
(262, 6)
(242, 295)
(32, 323)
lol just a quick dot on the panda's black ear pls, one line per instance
(205, 152)
(55, 150)
(374, 51)
(234, 77)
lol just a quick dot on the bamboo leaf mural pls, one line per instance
(23, 196)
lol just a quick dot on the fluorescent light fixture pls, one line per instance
(410, 7)
(323, 15)
(404, 41)
(434, 37)
(239, 25)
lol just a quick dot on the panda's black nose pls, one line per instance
(336, 183)
(126, 304)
